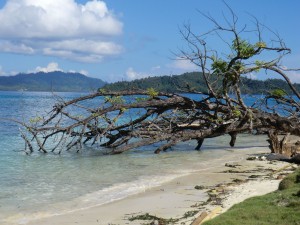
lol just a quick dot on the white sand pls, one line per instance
(249, 189)
(171, 200)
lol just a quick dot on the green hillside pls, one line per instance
(53, 81)
(194, 81)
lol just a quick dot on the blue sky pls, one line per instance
(123, 40)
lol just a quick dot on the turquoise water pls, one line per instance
(58, 183)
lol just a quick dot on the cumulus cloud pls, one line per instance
(51, 67)
(131, 74)
(183, 65)
(59, 28)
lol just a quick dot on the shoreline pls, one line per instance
(229, 181)
(178, 197)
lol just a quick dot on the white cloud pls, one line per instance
(131, 74)
(59, 28)
(81, 49)
(156, 68)
(51, 67)
(17, 47)
(294, 76)
(183, 65)
(2, 73)
(84, 72)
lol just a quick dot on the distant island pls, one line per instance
(53, 81)
(194, 81)
(76, 82)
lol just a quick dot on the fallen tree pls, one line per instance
(120, 123)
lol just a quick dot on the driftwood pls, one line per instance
(119, 124)
(284, 146)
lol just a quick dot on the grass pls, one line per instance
(281, 207)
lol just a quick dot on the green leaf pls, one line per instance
(261, 44)
(114, 100)
(236, 113)
(219, 66)
(152, 92)
(35, 119)
(243, 47)
(278, 93)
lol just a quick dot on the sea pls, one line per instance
(57, 184)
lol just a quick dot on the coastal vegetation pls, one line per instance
(130, 119)
(280, 207)
(194, 81)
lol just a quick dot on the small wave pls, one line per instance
(98, 198)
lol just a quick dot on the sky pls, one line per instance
(118, 40)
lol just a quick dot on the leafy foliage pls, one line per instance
(219, 66)
(243, 48)
(152, 92)
(114, 100)
(278, 93)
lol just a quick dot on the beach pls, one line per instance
(232, 181)
(86, 187)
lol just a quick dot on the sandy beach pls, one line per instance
(217, 190)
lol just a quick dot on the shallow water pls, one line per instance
(56, 184)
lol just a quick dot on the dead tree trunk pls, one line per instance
(165, 119)
(283, 146)
(273, 141)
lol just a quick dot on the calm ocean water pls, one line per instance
(59, 183)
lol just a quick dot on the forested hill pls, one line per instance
(177, 83)
(52, 81)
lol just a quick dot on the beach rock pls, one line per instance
(238, 181)
(200, 187)
(263, 158)
(252, 158)
(295, 159)
(254, 176)
(275, 156)
(233, 165)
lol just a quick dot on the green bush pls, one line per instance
(285, 184)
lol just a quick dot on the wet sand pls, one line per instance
(221, 187)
